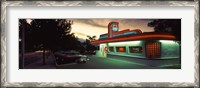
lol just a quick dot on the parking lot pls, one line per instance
(103, 63)
(93, 62)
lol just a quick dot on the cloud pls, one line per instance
(96, 27)
(82, 34)
(123, 23)
(94, 22)
(81, 30)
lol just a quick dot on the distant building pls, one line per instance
(152, 48)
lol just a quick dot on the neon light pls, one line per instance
(121, 49)
(115, 29)
(110, 30)
(124, 43)
(167, 41)
(105, 49)
(122, 62)
(136, 37)
(114, 26)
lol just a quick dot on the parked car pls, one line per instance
(90, 52)
(64, 57)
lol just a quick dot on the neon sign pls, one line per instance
(115, 28)
(105, 49)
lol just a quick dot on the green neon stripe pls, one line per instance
(123, 61)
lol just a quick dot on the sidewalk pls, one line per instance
(50, 64)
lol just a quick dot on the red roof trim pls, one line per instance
(137, 37)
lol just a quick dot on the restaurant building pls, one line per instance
(152, 48)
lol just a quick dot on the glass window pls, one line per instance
(135, 49)
(121, 49)
(111, 49)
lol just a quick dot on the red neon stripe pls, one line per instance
(139, 37)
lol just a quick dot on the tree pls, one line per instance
(89, 47)
(23, 25)
(51, 34)
(168, 26)
(91, 38)
(47, 34)
(70, 42)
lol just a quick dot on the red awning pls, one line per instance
(143, 36)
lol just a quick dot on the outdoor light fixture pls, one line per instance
(167, 41)
(125, 42)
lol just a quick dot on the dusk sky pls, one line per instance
(96, 27)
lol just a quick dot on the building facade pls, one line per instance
(154, 49)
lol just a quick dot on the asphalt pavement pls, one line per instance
(94, 62)
(38, 64)
(103, 63)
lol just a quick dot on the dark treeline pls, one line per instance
(167, 26)
(52, 35)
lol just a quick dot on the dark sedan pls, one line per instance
(69, 57)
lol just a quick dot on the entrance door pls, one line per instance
(103, 50)
(153, 50)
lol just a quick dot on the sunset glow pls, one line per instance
(81, 30)
(96, 27)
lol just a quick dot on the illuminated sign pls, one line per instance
(115, 27)
(121, 49)
(112, 27)
(105, 49)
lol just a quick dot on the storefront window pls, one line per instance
(135, 49)
(111, 49)
(121, 49)
(153, 50)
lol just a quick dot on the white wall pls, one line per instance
(169, 49)
(127, 44)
